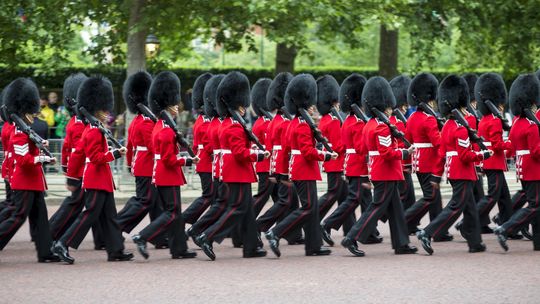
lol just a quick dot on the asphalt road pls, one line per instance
(451, 275)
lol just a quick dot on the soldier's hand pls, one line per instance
(43, 159)
(196, 159)
(71, 188)
(123, 150)
(334, 155)
(52, 161)
(45, 143)
(266, 154)
(411, 149)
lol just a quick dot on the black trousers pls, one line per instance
(99, 209)
(217, 208)
(7, 201)
(170, 222)
(307, 216)
(431, 201)
(265, 190)
(200, 204)
(336, 192)
(239, 213)
(31, 205)
(479, 189)
(357, 195)
(406, 191)
(385, 202)
(462, 201)
(527, 215)
(497, 193)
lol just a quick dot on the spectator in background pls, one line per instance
(46, 113)
(61, 118)
(53, 101)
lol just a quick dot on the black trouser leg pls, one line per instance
(497, 193)
(385, 201)
(280, 209)
(479, 188)
(307, 216)
(462, 201)
(335, 191)
(342, 214)
(430, 197)
(137, 206)
(8, 206)
(239, 212)
(66, 214)
(526, 215)
(519, 199)
(406, 191)
(215, 211)
(200, 204)
(264, 191)
(7, 201)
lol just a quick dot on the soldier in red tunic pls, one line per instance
(27, 181)
(525, 138)
(167, 175)
(237, 171)
(304, 169)
(96, 96)
(385, 170)
(355, 163)
(202, 148)
(460, 159)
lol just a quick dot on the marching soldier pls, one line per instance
(201, 147)
(460, 158)
(96, 96)
(301, 94)
(355, 164)
(167, 175)
(260, 127)
(7, 130)
(236, 172)
(27, 180)
(423, 133)
(385, 171)
(525, 138)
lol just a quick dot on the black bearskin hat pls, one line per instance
(164, 91)
(21, 97)
(135, 90)
(524, 92)
(197, 98)
(453, 93)
(400, 86)
(71, 87)
(258, 95)
(423, 88)
(351, 91)
(490, 86)
(301, 93)
(471, 80)
(209, 95)
(327, 93)
(377, 93)
(96, 94)
(275, 97)
(232, 93)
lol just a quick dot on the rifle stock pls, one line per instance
(393, 129)
(473, 135)
(316, 132)
(96, 123)
(34, 137)
(267, 114)
(530, 115)
(493, 109)
(359, 113)
(147, 112)
(180, 139)
(249, 133)
(426, 108)
(286, 113)
(335, 112)
(400, 116)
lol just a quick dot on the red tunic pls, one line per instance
(74, 131)
(140, 152)
(490, 128)
(167, 165)
(97, 172)
(331, 129)
(26, 175)
(237, 156)
(7, 131)
(213, 134)
(525, 140)
(260, 128)
(201, 144)
(384, 155)
(423, 133)
(304, 163)
(400, 125)
(280, 159)
(355, 155)
(76, 161)
(457, 148)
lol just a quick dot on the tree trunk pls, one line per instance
(285, 56)
(137, 32)
(388, 52)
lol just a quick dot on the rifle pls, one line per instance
(337, 115)
(266, 114)
(316, 132)
(472, 133)
(180, 139)
(472, 111)
(359, 113)
(96, 123)
(426, 108)
(530, 116)
(147, 112)
(399, 115)
(393, 129)
(286, 113)
(493, 109)
(236, 116)
(34, 137)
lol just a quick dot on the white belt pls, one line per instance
(225, 151)
(522, 152)
(423, 145)
(217, 151)
(350, 151)
(141, 148)
(451, 153)
(157, 156)
(373, 153)
(276, 147)
(72, 150)
(487, 143)
(295, 152)
(87, 160)
(200, 147)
